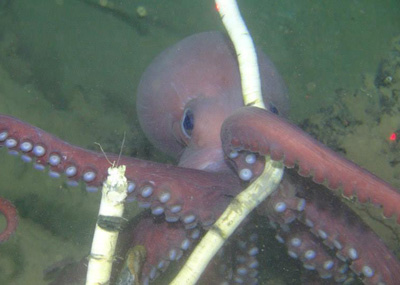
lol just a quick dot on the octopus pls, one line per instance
(189, 103)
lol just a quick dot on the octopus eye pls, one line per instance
(273, 109)
(187, 123)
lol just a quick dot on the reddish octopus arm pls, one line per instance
(188, 195)
(261, 131)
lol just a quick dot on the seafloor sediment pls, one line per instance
(364, 125)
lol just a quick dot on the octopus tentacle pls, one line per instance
(189, 195)
(245, 256)
(10, 213)
(236, 262)
(283, 206)
(325, 226)
(354, 242)
(167, 242)
(303, 245)
(164, 242)
(267, 134)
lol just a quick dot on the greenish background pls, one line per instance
(73, 69)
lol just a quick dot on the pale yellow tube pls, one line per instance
(105, 237)
(264, 185)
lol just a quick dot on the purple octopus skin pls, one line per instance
(184, 98)
(199, 76)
